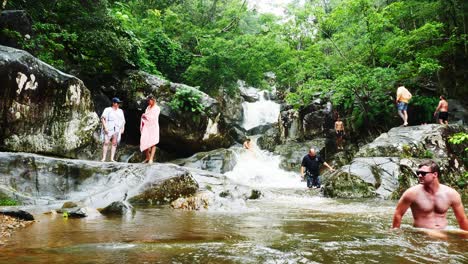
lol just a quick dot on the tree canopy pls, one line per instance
(354, 51)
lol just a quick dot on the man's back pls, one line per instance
(443, 106)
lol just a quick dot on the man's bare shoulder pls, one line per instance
(411, 192)
(449, 191)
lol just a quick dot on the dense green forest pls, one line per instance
(355, 51)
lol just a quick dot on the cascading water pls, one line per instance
(261, 112)
(257, 168)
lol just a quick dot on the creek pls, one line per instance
(288, 224)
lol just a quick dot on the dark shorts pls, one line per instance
(402, 106)
(339, 133)
(443, 116)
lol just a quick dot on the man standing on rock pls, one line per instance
(430, 201)
(442, 108)
(310, 168)
(339, 129)
(403, 97)
(113, 126)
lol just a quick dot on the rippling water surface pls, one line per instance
(296, 228)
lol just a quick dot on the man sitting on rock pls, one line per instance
(430, 201)
(311, 163)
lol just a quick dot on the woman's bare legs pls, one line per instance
(153, 151)
(147, 155)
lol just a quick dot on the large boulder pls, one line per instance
(219, 160)
(385, 167)
(42, 110)
(413, 141)
(35, 179)
(270, 139)
(311, 121)
(367, 177)
(183, 132)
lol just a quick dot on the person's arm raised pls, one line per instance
(459, 211)
(403, 204)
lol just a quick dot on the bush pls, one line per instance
(187, 100)
(8, 202)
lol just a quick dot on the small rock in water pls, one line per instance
(69, 205)
(197, 202)
(255, 195)
(117, 208)
(73, 213)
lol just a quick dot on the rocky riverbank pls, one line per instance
(8, 225)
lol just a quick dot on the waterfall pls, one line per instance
(258, 168)
(261, 112)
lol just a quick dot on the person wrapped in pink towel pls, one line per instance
(149, 128)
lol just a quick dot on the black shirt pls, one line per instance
(312, 164)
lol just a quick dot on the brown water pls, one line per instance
(282, 230)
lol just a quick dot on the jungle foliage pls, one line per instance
(354, 51)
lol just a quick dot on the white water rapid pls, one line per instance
(258, 168)
(261, 112)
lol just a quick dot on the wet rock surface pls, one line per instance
(117, 208)
(42, 110)
(219, 160)
(35, 179)
(292, 152)
(385, 167)
(16, 213)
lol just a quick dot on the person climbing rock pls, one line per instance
(149, 128)
(113, 126)
(442, 108)
(340, 131)
(310, 168)
(429, 201)
(403, 96)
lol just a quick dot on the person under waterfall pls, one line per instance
(149, 128)
(310, 168)
(113, 126)
(403, 96)
(429, 201)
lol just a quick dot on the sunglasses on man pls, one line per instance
(423, 173)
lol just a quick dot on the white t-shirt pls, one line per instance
(115, 119)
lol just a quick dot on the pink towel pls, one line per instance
(149, 127)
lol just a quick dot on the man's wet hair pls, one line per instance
(443, 97)
(247, 139)
(431, 164)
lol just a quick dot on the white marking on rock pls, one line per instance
(21, 79)
(74, 94)
(211, 128)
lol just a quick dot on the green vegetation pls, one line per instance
(8, 202)
(354, 51)
(187, 99)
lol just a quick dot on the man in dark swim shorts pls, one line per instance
(442, 108)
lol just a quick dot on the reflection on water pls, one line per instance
(303, 229)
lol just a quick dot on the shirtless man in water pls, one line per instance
(442, 108)
(430, 201)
